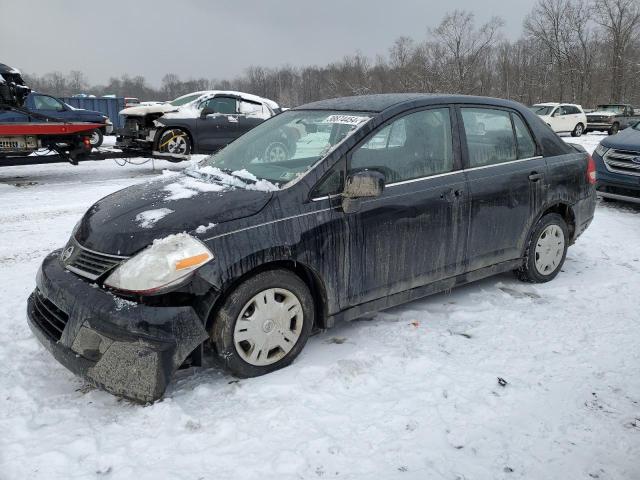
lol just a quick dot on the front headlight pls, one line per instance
(165, 263)
(600, 150)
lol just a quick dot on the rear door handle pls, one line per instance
(535, 176)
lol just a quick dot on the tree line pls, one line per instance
(580, 51)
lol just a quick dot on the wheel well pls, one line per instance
(566, 213)
(310, 278)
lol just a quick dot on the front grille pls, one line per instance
(596, 118)
(48, 317)
(88, 263)
(623, 161)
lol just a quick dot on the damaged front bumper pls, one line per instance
(129, 349)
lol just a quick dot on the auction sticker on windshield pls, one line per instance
(346, 119)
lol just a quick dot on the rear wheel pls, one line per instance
(175, 141)
(264, 323)
(578, 130)
(546, 250)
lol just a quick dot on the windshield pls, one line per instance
(612, 108)
(542, 109)
(178, 102)
(284, 147)
(636, 126)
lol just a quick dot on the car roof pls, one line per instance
(205, 94)
(383, 101)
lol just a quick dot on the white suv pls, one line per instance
(562, 117)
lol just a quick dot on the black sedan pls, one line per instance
(388, 198)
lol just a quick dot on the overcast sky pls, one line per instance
(216, 39)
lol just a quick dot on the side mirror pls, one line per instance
(206, 111)
(365, 184)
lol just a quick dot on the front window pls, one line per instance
(43, 102)
(178, 102)
(285, 147)
(224, 105)
(542, 109)
(612, 108)
(637, 126)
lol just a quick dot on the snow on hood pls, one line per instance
(148, 218)
(130, 219)
(211, 179)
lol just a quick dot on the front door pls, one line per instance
(220, 127)
(506, 181)
(414, 233)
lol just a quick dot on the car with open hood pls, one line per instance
(200, 122)
(387, 198)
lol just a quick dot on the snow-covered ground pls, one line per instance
(410, 394)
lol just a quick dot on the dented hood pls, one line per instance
(142, 110)
(130, 219)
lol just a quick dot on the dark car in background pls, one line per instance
(200, 122)
(54, 107)
(612, 118)
(618, 166)
(387, 198)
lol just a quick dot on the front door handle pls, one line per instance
(451, 195)
(535, 176)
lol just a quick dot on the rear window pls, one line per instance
(496, 136)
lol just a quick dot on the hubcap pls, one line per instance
(579, 130)
(277, 153)
(268, 326)
(549, 249)
(174, 142)
(95, 138)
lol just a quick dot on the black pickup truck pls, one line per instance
(611, 118)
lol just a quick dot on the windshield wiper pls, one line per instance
(220, 178)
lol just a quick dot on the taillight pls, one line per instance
(591, 170)
(87, 143)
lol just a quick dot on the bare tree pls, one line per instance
(465, 47)
(620, 20)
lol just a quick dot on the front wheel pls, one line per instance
(614, 129)
(263, 324)
(578, 130)
(276, 152)
(175, 141)
(546, 250)
(96, 138)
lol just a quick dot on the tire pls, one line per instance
(546, 250)
(614, 129)
(250, 343)
(96, 138)
(276, 152)
(175, 141)
(578, 130)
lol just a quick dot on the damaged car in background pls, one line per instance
(387, 198)
(200, 122)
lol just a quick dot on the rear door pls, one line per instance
(507, 182)
(413, 234)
